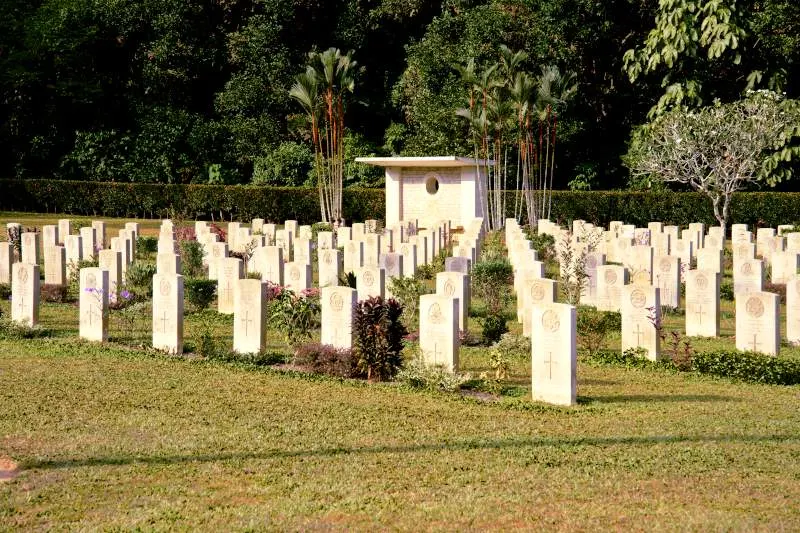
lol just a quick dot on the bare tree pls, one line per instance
(719, 149)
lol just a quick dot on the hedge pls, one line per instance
(212, 202)
(218, 202)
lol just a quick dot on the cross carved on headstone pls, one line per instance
(549, 362)
(93, 313)
(436, 352)
(21, 305)
(639, 334)
(246, 320)
(700, 313)
(755, 342)
(164, 320)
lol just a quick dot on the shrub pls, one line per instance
(146, 246)
(139, 279)
(407, 291)
(74, 272)
(5, 291)
(510, 347)
(544, 244)
(16, 331)
(417, 374)
(493, 327)
(192, 258)
(54, 293)
(348, 280)
(777, 288)
(490, 282)
(726, 291)
(293, 315)
(325, 359)
(594, 326)
(748, 366)
(493, 248)
(290, 164)
(200, 292)
(378, 337)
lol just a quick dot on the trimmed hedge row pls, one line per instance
(215, 202)
(220, 202)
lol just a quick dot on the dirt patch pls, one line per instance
(480, 396)
(8, 468)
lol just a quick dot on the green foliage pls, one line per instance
(492, 327)
(5, 291)
(509, 348)
(294, 315)
(593, 327)
(726, 291)
(194, 201)
(378, 337)
(192, 258)
(325, 359)
(748, 366)
(200, 292)
(407, 291)
(289, 165)
(348, 279)
(493, 248)
(544, 244)
(146, 246)
(16, 331)
(417, 374)
(139, 279)
(491, 281)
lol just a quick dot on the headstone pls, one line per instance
(684, 249)
(709, 259)
(438, 330)
(526, 271)
(536, 292)
(668, 278)
(49, 237)
(88, 243)
(167, 245)
(371, 282)
(285, 240)
(99, 228)
(409, 253)
(93, 302)
(168, 263)
(610, 280)
(330, 267)
(763, 236)
(111, 262)
(64, 229)
(456, 285)
(784, 266)
(291, 227)
(757, 322)
(702, 303)
(325, 240)
(6, 260)
(31, 244)
(748, 276)
(74, 248)
(297, 276)
(793, 310)
(358, 231)
(249, 318)
(25, 293)
(641, 311)
(353, 256)
(302, 250)
(343, 235)
(55, 266)
(372, 249)
(168, 313)
(392, 264)
(219, 252)
(269, 234)
(589, 290)
(268, 261)
(305, 232)
(233, 236)
(457, 264)
(231, 271)
(554, 354)
(338, 304)
(257, 225)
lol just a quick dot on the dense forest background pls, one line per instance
(197, 91)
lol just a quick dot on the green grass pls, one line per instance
(114, 437)
(108, 438)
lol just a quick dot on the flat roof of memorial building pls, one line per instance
(436, 161)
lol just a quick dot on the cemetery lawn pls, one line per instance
(112, 438)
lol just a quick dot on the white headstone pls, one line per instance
(31, 244)
(641, 311)
(88, 243)
(268, 261)
(99, 228)
(793, 310)
(329, 267)
(757, 322)
(219, 251)
(610, 280)
(93, 302)
(55, 265)
(337, 304)
(64, 229)
(25, 293)
(667, 277)
(231, 271)
(438, 330)
(6, 260)
(748, 276)
(702, 303)
(297, 276)
(110, 261)
(371, 282)
(456, 285)
(554, 353)
(536, 292)
(168, 313)
(249, 319)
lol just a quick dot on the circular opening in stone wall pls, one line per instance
(432, 185)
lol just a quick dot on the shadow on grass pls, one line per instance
(646, 398)
(477, 444)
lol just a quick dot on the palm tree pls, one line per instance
(322, 91)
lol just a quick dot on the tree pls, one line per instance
(720, 149)
(322, 91)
